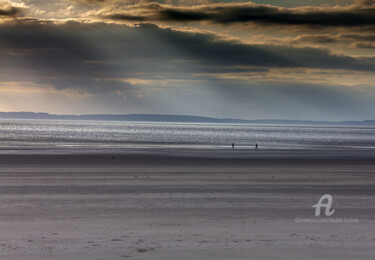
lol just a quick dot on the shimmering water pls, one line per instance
(135, 134)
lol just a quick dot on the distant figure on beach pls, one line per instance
(256, 146)
(232, 145)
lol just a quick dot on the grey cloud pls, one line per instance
(127, 17)
(357, 36)
(361, 14)
(351, 40)
(54, 54)
(10, 12)
(98, 58)
(321, 39)
(364, 45)
(364, 3)
(331, 38)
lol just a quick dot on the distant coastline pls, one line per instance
(177, 118)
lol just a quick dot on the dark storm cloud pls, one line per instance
(99, 58)
(59, 55)
(232, 53)
(10, 12)
(361, 14)
(102, 59)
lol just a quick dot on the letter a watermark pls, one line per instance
(327, 205)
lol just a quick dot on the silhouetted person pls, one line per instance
(232, 145)
(256, 146)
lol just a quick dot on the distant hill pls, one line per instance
(176, 118)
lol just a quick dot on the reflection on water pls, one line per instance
(136, 134)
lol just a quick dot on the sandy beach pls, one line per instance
(186, 205)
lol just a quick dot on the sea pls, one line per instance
(115, 134)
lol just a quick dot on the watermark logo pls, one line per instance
(325, 202)
(322, 204)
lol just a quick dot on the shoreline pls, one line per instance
(179, 153)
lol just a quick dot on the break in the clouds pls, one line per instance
(199, 58)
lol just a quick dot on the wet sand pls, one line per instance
(186, 205)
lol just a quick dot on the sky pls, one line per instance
(275, 59)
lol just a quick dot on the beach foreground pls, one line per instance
(163, 206)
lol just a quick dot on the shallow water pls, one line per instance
(48, 133)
